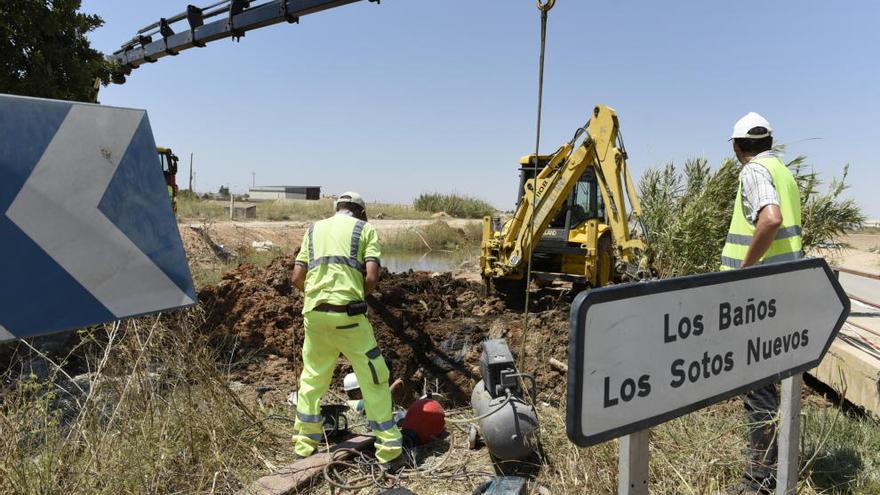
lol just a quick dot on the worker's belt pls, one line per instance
(352, 309)
(332, 308)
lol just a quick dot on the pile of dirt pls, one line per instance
(429, 327)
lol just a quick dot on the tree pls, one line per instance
(44, 51)
(223, 192)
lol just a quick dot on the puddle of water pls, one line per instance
(432, 261)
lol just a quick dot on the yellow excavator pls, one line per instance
(577, 218)
(169, 169)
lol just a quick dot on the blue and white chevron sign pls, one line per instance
(87, 234)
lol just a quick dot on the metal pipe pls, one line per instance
(863, 301)
(857, 272)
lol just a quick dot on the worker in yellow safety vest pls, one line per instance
(765, 228)
(337, 266)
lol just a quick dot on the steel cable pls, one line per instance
(545, 9)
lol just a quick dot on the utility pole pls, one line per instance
(253, 179)
(190, 172)
(231, 203)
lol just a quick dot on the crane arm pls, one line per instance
(236, 17)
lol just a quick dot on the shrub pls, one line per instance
(453, 204)
(435, 236)
(687, 213)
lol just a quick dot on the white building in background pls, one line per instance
(269, 193)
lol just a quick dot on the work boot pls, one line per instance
(396, 465)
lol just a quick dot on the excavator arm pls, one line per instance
(505, 252)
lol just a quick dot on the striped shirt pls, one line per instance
(757, 188)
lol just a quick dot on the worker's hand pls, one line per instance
(396, 384)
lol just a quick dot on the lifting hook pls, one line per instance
(546, 6)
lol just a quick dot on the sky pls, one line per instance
(415, 96)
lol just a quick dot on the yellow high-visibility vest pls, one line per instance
(335, 251)
(787, 246)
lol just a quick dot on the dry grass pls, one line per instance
(700, 453)
(436, 236)
(154, 415)
(298, 210)
(455, 205)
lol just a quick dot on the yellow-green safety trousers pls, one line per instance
(326, 336)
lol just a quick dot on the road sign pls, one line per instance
(87, 234)
(641, 354)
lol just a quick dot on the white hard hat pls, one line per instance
(749, 122)
(350, 382)
(350, 197)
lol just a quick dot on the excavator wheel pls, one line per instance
(511, 291)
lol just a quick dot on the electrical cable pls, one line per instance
(484, 415)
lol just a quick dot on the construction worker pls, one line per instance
(337, 266)
(765, 228)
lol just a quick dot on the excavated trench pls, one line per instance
(429, 328)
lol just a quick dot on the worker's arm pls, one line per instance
(301, 264)
(372, 254)
(371, 280)
(769, 220)
(298, 277)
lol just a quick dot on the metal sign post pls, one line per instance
(643, 354)
(632, 464)
(789, 435)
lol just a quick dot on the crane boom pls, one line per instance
(159, 39)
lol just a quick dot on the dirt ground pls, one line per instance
(428, 326)
(862, 253)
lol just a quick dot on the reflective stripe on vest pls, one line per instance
(350, 260)
(746, 240)
(787, 244)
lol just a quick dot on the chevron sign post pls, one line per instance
(87, 234)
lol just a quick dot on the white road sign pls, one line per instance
(641, 354)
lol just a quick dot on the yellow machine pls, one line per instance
(169, 170)
(580, 222)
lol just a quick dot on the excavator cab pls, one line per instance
(169, 160)
(564, 244)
